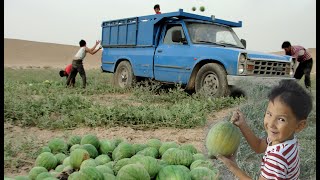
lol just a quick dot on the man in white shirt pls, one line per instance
(77, 65)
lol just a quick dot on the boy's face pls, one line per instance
(156, 10)
(280, 123)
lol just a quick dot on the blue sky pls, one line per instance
(266, 24)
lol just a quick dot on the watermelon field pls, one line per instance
(103, 132)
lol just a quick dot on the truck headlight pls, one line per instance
(242, 58)
(241, 68)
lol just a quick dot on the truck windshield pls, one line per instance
(201, 33)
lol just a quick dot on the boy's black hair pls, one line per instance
(82, 43)
(156, 6)
(61, 73)
(294, 96)
(285, 44)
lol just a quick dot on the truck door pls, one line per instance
(173, 60)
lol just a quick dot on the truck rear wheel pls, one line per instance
(212, 80)
(124, 76)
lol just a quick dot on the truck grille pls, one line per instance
(268, 68)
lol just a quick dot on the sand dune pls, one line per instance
(21, 53)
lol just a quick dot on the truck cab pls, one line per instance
(201, 53)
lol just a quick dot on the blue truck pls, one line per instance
(201, 53)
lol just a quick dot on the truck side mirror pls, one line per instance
(244, 43)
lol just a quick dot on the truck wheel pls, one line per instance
(212, 80)
(124, 76)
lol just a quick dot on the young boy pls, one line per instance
(66, 73)
(157, 9)
(288, 108)
(77, 65)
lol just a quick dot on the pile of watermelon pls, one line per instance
(87, 157)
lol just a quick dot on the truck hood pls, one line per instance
(262, 56)
(251, 54)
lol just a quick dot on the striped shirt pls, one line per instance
(300, 53)
(281, 161)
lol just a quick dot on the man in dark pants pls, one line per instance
(77, 65)
(305, 62)
(66, 73)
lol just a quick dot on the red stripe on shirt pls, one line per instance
(269, 174)
(279, 157)
(288, 150)
(274, 166)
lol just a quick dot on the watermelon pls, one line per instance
(90, 139)
(189, 147)
(175, 156)
(91, 150)
(104, 169)
(149, 163)
(66, 161)
(77, 157)
(117, 141)
(167, 145)
(200, 173)
(50, 178)
(119, 164)
(138, 147)
(223, 138)
(202, 8)
(75, 176)
(47, 160)
(194, 8)
(173, 172)
(149, 151)
(89, 162)
(74, 140)
(73, 147)
(91, 173)
(60, 157)
(102, 159)
(199, 156)
(35, 171)
(108, 176)
(123, 150)
(110, 164)
(156, 143)
(60, 168)
(133, 172)
(43, 175)
(45, 149)
(106, 147)
(57, 145)
(202, 163)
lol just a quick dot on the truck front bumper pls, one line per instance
(267, 81)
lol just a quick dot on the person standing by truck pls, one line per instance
(77, 64)
(305, 62)
(157, 9)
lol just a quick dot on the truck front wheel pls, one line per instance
(212, 80)
(124, 77)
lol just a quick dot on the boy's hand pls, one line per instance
(230, 162)
(238, 118)
(98, 42)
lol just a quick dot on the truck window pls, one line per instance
(168, 36)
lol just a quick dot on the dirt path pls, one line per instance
(194, 136)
